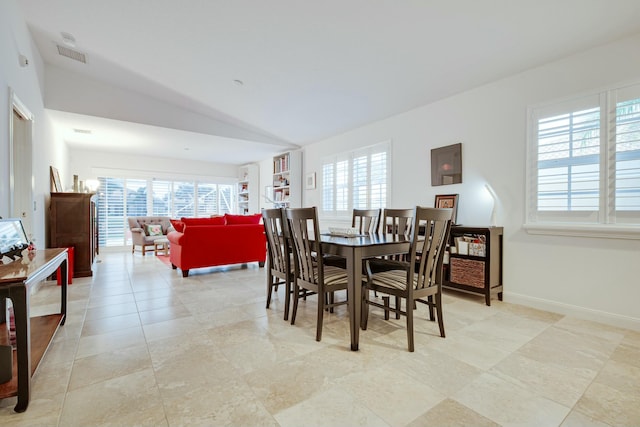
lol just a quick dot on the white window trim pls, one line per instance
(602, 229)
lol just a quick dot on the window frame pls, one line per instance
(605, 222)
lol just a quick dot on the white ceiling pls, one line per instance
(311, 69)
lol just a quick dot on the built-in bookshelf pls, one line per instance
(287, 179)
(248, 186)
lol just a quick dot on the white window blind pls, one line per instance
(162, 198)
(226, 200)
(184, 199)
(584, 160)
(355, 180)
(207, 195)
(111, 212)
(136, 197)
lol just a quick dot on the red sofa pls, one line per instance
(208, 242)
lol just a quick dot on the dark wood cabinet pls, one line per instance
(475, 265)
(73, 223)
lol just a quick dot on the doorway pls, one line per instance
(21, 179)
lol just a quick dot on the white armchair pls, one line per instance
(140, 231)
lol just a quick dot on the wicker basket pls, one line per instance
(467, 272)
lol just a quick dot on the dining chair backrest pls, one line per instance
(366, 220)
(398, 222)
(307, 250)
(276, 230)
(427, 251)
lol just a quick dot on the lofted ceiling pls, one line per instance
(276, 74)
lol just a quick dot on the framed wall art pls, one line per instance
(446, 165)
(56, 184)
(310, 181)
(448, 201)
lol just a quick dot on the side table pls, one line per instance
(33, 335)
(161, 244)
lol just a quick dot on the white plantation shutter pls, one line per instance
(627, 155)
(584, 160)
(226, 199)
(184, 199)
(207, 196)
(136, 197)
(162, 198)
(112, 221)
(355, 180)
(342, 186)
(329, 187)
(378, 179)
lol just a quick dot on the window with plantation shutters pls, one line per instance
(120, 198)
(584, 160)
(355, 180)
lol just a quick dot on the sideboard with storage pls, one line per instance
(475, 261)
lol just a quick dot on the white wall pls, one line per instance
(593, 278)
(26, 83)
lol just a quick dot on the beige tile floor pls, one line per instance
(143, 346)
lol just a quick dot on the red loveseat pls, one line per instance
(208, 242)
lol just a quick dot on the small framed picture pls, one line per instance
(310, 181)
(448, 201)
(56, 184)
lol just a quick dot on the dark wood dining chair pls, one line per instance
(419, 279)
(280, 267)
(311, 275)
(366, 221)
(396, 222)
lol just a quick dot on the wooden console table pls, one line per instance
(33, 335)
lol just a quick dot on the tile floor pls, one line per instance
(143, 346)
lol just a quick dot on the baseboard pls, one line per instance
(612, 319)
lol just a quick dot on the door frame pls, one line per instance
(17, 106)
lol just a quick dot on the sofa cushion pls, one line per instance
(153, 229)
(243, 219)
(203, 221)
(177, 225)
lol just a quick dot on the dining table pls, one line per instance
(355, 249)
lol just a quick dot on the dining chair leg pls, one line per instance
(398, 302)
(386, 307)
(364, 312)
(296, 294)
(439, 310)
(287, 301)
(410, 327)
(321, 305)
(431, 304)
(269, 288)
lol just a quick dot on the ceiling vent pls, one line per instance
(72, 54)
